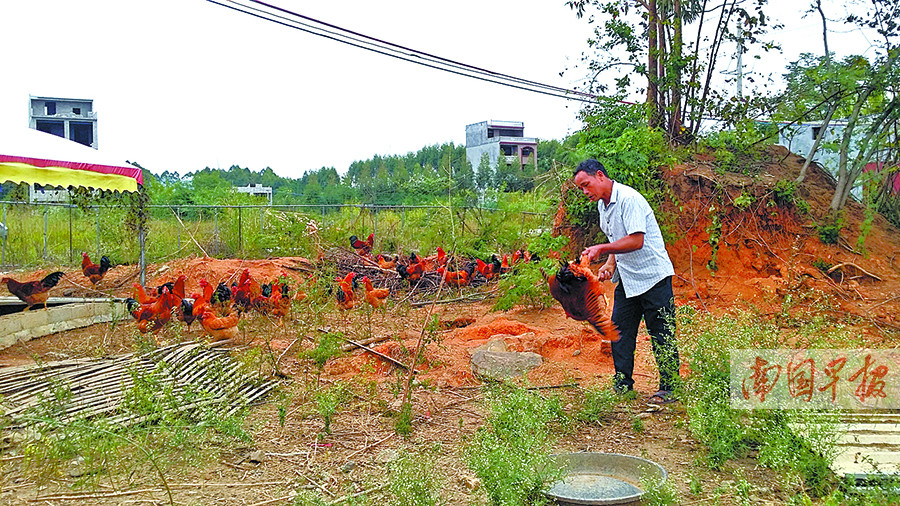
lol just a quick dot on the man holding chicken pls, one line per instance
(639, 263)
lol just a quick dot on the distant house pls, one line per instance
(256, 190)
(500, 138)
(69, 118)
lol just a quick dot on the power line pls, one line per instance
(359, 40)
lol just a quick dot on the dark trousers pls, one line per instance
(656, 307)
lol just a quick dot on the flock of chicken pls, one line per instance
(218, 310)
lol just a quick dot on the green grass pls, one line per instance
(254, 232)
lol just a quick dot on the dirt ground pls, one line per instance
(765, 254)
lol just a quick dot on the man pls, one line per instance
(639, 263)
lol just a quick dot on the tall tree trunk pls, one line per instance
(675, 124)
(843, 177)
(867, 149)
(652, 68)
(824, 30)
(815, 146)
(695, 70)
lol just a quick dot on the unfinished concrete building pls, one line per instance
(500, 138)
(69, 118)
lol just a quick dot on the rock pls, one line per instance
(348, 467)
(256, 456)
(385, 456)
(76, 467)
(469, 481)
(495, 343)
(500, 365)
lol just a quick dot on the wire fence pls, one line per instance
(44, 234)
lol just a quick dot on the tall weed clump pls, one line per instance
(799, 443)
(510, 452)
(413, 481)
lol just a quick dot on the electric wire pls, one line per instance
(394, 51)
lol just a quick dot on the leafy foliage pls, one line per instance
(509, 453)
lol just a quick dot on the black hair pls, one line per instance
(590, 167)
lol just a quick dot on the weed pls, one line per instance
(637, 424)
(830, 230)
(714, 230)
(329, 345)
(597, 404)
(308, 498)
(659, 494)
(509, 454)
(695, 485)
(822, 265)
(412, 481)
(403, 424)
(743, 201)
(328, 402)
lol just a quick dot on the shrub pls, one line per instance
(509, 453)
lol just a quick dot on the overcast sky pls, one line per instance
(179, 85)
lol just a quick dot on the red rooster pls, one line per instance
(33, 292)
(93, 271)
(363, 248)
(580, 293)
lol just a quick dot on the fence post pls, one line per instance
(142, 238)
(98, 231)
(178, 214)
(45, 232)
(216, 236)
(3, 258)
(261, 220)
(71, 253)
(375, 223)
(240, 226)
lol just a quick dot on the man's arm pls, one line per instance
(627, 244)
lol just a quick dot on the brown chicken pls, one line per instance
(141, 295)
(387, 263)
(485, 269)
(374, 296)
(580, 293)
(219, 327)
(455, 278)
(247, 293)
(154, 315)
(344, 293)
(33, 292)
(93, 271)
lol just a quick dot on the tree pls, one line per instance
(646, 38)
(484, 177)
(862, 92)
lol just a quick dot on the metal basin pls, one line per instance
(604, 478)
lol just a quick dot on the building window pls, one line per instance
(50, 108)
(490, 133)
(509, 150)
(76, 110)
(815, 132)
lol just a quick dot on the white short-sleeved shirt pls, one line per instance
(629, 212)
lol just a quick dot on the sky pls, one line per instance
(179, 85)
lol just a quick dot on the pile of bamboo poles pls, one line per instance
(90, 388)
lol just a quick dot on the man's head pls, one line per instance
(591, 178)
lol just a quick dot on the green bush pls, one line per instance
(510, 452)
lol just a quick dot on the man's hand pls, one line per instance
(606, 271)
(593, 252)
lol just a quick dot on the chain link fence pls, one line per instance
(45, 234)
